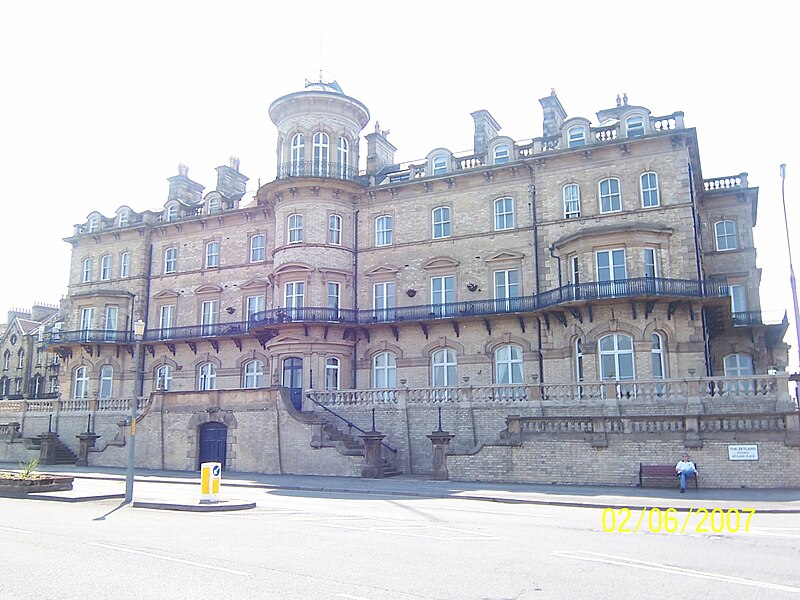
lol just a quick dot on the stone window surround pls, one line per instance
(449, 221)
(389, 214)
(513, 213)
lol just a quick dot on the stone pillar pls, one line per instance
(692, 412)
(440, 441)
(793, 429)
(87, 441)
(372, 454)
(47, 449)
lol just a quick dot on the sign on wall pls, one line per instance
(743, 452)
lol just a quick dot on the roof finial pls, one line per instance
(625, 98)
(619, 102)
(183, 170)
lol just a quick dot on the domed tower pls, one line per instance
(314, 200)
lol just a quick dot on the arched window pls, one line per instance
(343, 157)
(123, 218)
(207, 377)
(87, 270)
(295, 229)
(439, 165)
(508, 365)
(384, 370)
(171, 213)
(738, 365)
(80, 383)
(94, 223)
(443, 368)
(610, 198)
(163, 378)
(649, 183)
(332, 373)
(20, 358)
(125, 264)
(105, 267)
(503, 213)
(106, 381)
(579, 359)
(335, 229)
(576, 137)
(441, 222)
(725, 232)
(298, 154)
(170, 260)
(572, 201)
(213, 205)
(383, 230)
(634, 126)
(500, 154)
(657, 355)
(321, 154)
(253, 374)
(616, 357)
(257, 247)
(6, 360)
(212, 255)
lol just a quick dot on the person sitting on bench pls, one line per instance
(685, 468)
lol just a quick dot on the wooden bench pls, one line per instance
(662, 475)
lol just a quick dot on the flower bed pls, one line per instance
(15, 484)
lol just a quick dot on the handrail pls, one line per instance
(347, 421)
(325, 168)
(566, 294)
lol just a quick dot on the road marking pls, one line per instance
(623, 561)
(487, 512)
(14, 530)
(760, 531)
(168, 558)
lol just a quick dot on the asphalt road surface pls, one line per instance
(307, 545)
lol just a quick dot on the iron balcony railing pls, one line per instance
(317, 169)
(89, 336)
(197, 331)
(756, 317)
(598, 290)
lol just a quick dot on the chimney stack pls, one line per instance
(184, 189)
(230, 182)
(380, 151)
(486, 128)
(554, 114)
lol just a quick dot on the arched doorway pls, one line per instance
(213, 443)
(293, 379)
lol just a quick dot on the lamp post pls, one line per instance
(791, 270)
(138, 334)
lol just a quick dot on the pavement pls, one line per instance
(183, 491)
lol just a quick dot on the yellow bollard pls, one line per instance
(210, 475)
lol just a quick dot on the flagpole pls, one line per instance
(792, 281)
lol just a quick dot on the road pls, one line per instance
(316, 545)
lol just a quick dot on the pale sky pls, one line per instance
(100, 101)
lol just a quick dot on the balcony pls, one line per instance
(88, 336)
(756, 317)
(212, 330)
(642, 288)
(326, 169)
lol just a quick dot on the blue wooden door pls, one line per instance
(213, 443)
(293, 379)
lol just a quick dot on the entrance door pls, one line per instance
(293, 379)
(213, 443)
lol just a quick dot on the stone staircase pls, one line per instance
(348, 442)
(63, 455)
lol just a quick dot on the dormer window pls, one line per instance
(171, 214)
(213, 206)
(576, 137)
(634, 126)
(123, 219)
(501, 154)
(439, 165)
(93, 224)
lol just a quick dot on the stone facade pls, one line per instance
(537, 269)
(29, 369)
